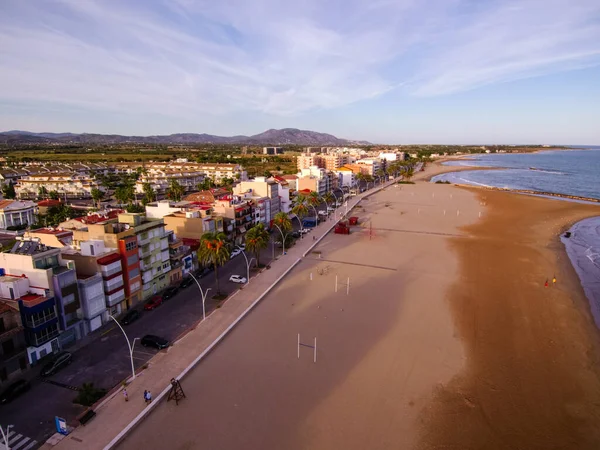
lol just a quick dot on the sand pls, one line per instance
(447, 338)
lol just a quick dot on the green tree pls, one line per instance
(88, 394)
(58, 214)
(8, 191)
(135, 208)
(282, 220)
(124, 194)
(149, 194)
(97, 195)
(329, 198)
(53, 195)
(408, 174)
(257, 239)
(214, 250)
(175, 191)
(42, 192)
(314, 199)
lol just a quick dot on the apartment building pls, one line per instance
(52, 237)
(68, 185)
(238, 211)
(371, 165)
(159, 179)
(345, 176)
(217, 172)
(262, 188)
(13, 347)
(314, 179)
(193, 222)
(94, 258)
(95, 312)
(306, 161)
(272, 150)
(153, 251)
(51, 277)
(14, 213)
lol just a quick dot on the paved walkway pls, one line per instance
(115, 417)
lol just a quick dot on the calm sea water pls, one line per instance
(571, 172)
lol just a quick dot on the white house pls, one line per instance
(16, 213)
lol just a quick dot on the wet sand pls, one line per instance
(447, 338)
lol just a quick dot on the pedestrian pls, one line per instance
(125, 396)
(146, 396)
(314, 238)
(149, 397)
(546, 283)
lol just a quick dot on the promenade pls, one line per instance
(115, 417)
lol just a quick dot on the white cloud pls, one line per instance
(186, 57)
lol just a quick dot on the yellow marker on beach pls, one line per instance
(553, 280)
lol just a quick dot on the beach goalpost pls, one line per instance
(314, 347)
(347, 284)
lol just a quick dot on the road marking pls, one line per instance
(31, 445)
(107, 331)
(14, 438)
(20, 444)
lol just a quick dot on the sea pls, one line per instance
(569, 172)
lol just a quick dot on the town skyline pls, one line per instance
(389, 72)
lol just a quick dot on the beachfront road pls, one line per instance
(105, 360)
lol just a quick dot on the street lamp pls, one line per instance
(282, 238)
(247, 266)
(301, 227)
(203, 294)
(131, 345)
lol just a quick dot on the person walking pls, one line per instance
(146, 396)
(149, 397)
(125, 396)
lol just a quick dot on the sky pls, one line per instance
(387, 71)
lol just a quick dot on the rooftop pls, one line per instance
(8, 205)
(30, 246)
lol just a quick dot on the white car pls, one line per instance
(322, 213)
(241, 247)
(237, 279)
(330, 209)
(305, 230)
(234, 253)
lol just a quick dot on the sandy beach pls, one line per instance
(446, 338)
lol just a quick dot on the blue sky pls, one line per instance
(390, 71)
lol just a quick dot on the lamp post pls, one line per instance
(203, 293)
(301, 227)
(316, 214)
(5, 435)
(247, 266)
(282, 238)
(131, 345)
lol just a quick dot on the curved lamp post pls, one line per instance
(282, 238)
(301, 227)
(131, 345)
(247, 266)
(203, 293)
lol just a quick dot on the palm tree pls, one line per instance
(149, 194)
(257, 239)
(329, 198)
(175, 190)
(124, 194)
(410, 171)
(315, 199)
(301, 210)
(283, 221)
(214, 250)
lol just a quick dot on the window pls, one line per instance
(68, 299)
(129, 246)
(162, 277)
(165, 265)
(132, 260)
(92, 250)
(8, 347)
(134, 273)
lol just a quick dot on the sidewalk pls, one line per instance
(115, 417)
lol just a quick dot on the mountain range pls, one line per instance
(285, 136)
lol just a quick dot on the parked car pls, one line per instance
(241, 247)
(186, 282)
(131, 316)
(170, 292)
(14, 390)
(61, 360)
(157, 342)
(234, 253)
(330, 209)
(237, 279)
(153, 303)
(203, 272)
(295, 234)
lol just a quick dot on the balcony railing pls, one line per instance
(37, 341)
(111, 269)
(42, 320)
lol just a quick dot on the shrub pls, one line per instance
(88, 394)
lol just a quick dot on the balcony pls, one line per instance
(36, 341)
(111, 269)
(34, 323)
(114, 298)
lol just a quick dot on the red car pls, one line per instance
(154, 302)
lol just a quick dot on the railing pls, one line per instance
(111, 269)
(37, 322)
(39, 341)
(115, 298)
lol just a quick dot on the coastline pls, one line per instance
(533, 374)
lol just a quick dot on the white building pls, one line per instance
(372, 165)
(17, 213)
(262, 187)
(69, 185)
(162, 208)
(346, 178)
(159, 179)
(91, 291)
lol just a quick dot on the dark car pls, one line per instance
(14, 390)
(170, 292)
(203, 272)
(58, 362)
(154, 341)
(131, 316)
(154, 302)
(186, 282)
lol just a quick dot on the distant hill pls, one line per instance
(285, 136)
